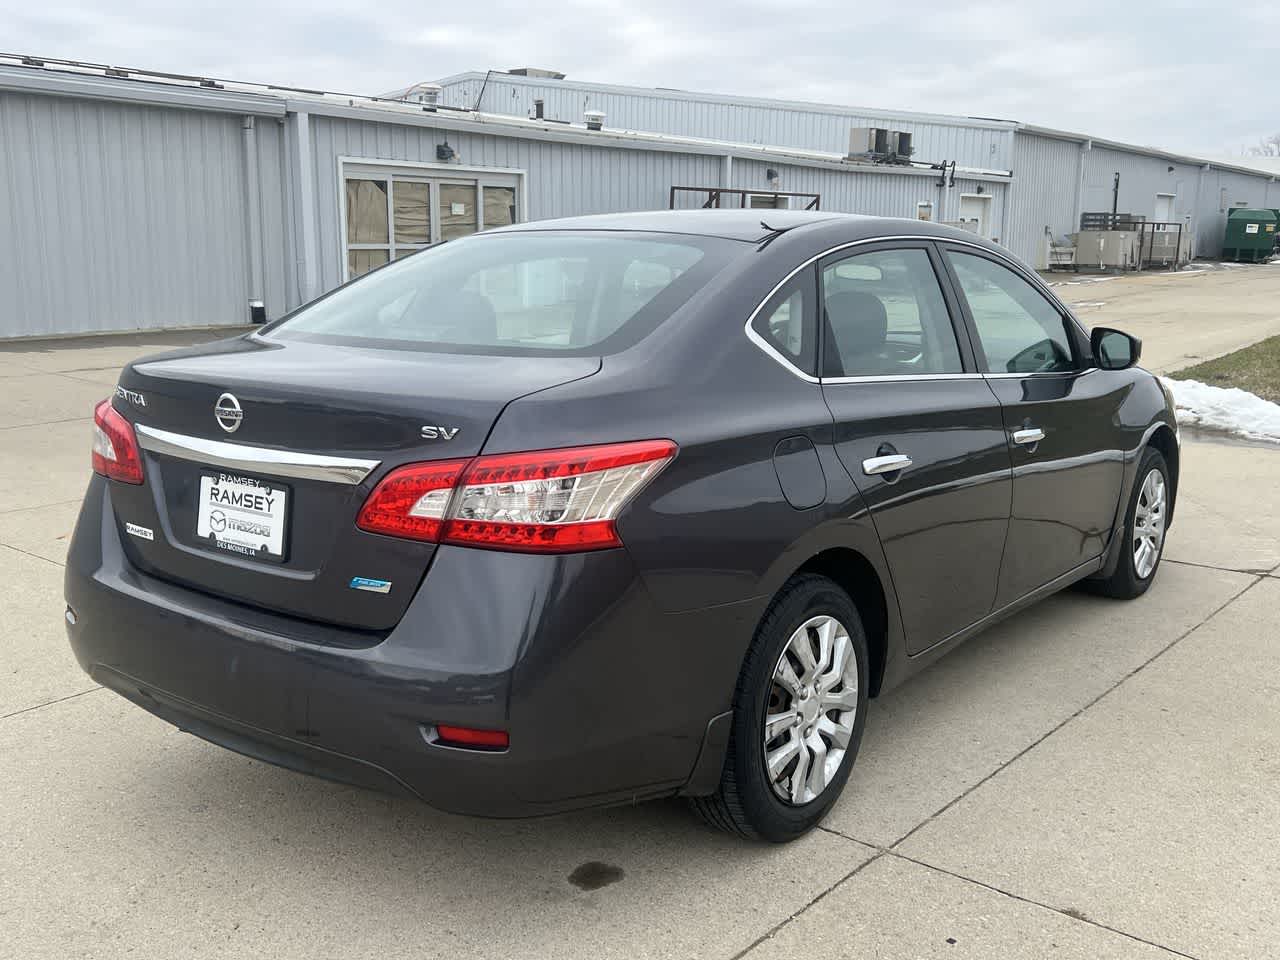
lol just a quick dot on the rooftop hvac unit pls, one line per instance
(868, 140)
(879, 145)
(427, 94)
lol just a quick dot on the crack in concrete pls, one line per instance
(891, 849)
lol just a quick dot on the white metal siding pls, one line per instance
(1224, 189)
(562, 179)
(1045, 176)
(118, 217)
(783, 125)
(1141, 178)
(882, 193)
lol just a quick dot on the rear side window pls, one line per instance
(1018, 329)
(520, 293)
(885, 316)
(787, 324)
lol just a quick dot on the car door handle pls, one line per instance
(1029, 435)
(874, 466)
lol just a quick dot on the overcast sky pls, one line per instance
(1197, 77)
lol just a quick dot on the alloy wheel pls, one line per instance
(813, 702)
(1149, 524)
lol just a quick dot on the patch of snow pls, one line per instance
(1225, 408)
(1072, 283)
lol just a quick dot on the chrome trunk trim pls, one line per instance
(236, 456)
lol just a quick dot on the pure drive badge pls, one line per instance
(373, 586)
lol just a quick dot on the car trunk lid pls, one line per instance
(261, 507)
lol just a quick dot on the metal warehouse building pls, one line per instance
(133, 200)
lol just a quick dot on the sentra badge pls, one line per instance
(133, 396)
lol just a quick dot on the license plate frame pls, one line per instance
(243, 516)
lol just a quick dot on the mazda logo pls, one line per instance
(228, 413)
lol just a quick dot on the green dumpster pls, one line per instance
(1250, 235)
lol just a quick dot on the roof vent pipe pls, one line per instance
(594, 119)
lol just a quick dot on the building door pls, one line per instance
(975, 213)
(1164, 207)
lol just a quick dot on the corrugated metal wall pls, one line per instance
(1043, 195)
(119, 217)
(562, 179)
(1046, 172)
(782, 125)
(572, 179)
(1222, 190)
(1141, 179)
(881, 194)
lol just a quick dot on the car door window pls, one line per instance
(1018, 329)
(885, 316)
(787, 326)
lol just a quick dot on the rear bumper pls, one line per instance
(606, 699)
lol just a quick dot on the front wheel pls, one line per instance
(1146, 521)
(799, 711)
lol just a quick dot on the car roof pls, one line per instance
(748, 225)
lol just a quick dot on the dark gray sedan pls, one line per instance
(587, 511)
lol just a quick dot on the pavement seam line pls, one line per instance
(49, 703)
(1007, 893)
(41, 506)
(28, 553)
(1078, 917)
(1253, 572)
(773, 931)
(46, 423)
(1041, 739)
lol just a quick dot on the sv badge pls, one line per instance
(439, 433)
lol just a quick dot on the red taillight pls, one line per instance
(546, 501)
(411, 502)
(472, 738)
(115, 447)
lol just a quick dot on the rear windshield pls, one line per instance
(522, 293)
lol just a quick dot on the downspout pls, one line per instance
(253, 220)
(726, 174)
(1081, 170)
(308, 282)
(1195, 223)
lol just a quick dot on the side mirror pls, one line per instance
(1114, 350)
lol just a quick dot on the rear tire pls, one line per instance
(817, 717)
(1145, 523)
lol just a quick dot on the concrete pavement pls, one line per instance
(1199, 313)
(1088, 779)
